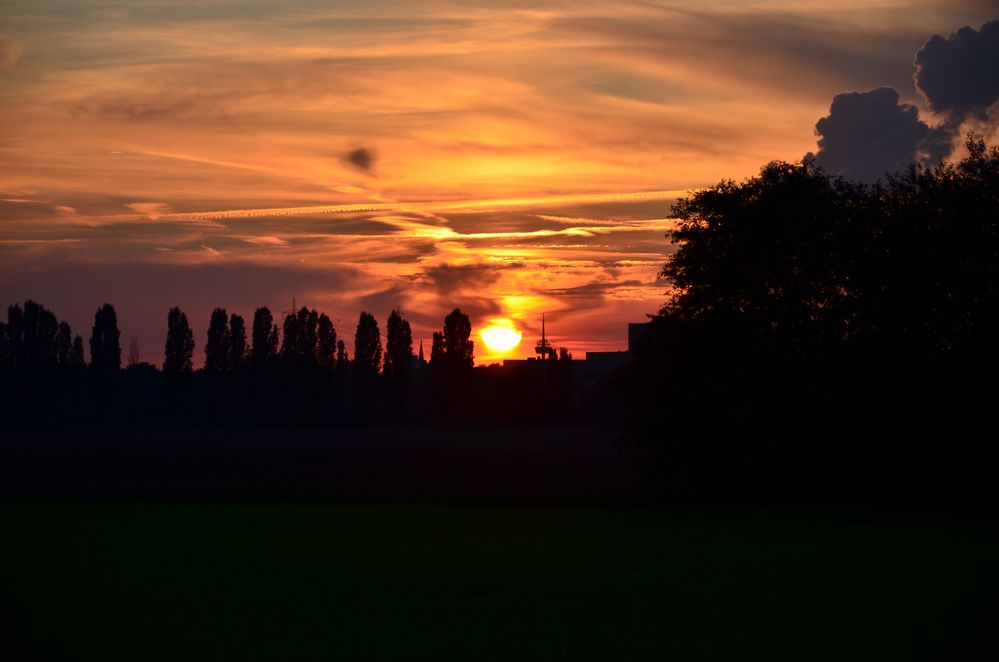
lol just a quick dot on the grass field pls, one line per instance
(320, 581)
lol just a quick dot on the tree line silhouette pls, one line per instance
(821, 333)
(824, 332)
(300, 372)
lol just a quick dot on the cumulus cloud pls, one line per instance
(959, 75)
(867, 134)
(361, 158)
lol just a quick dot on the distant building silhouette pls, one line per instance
(635, 332)
(594, 365)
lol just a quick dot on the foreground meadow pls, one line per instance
(190, 580)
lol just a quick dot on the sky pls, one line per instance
(510, 159)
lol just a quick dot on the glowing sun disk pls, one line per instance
(500, 338)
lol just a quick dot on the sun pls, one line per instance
(500, 336)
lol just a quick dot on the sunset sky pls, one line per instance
(370, 154)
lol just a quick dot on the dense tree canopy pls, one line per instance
(812, 318)
(800, 255)
(452, 347)
(32, 337)
(301, 336)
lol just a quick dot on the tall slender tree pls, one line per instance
(179, 344)
(105, 353)
(237, 342)
(326, 343)
(63, 343)
(367, 345)
(217, 347)
(398, 345)
(105, 347)
(437, 359)
(457, 345)
(301, 336)
(265, 337)
(398, 362)
(451, 364)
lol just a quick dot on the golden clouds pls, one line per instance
(533, 151)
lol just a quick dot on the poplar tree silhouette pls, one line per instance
(237, 342)
(367, 346)
(178, 354)
(301, 337)
(105, 346)
(398, 361)
(105, 351)
(456, 349)
(179, 349)
(326, 343)
(219, 343)
(265, 337)
(398, 345)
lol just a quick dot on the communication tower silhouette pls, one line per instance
(544, 348)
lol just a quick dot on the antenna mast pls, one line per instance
(544, 349)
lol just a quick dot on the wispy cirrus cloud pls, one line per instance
(512, 158)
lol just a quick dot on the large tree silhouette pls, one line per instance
(105, 352)
(398, 345)
(325, 342)
(237, 342)
(453, 348)
(265, 337)
(366, 364)
(367, 346)
(105, 345)
(218, 346)
(179, 349)
(34, 338)
(398, 361)
(812, 318)
(451, 360)
(301, 337)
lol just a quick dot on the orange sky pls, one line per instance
(367, 155)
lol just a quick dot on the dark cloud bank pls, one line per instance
(868, 134)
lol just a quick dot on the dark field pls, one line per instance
(279, 580)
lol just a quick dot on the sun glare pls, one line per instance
(500, 336)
